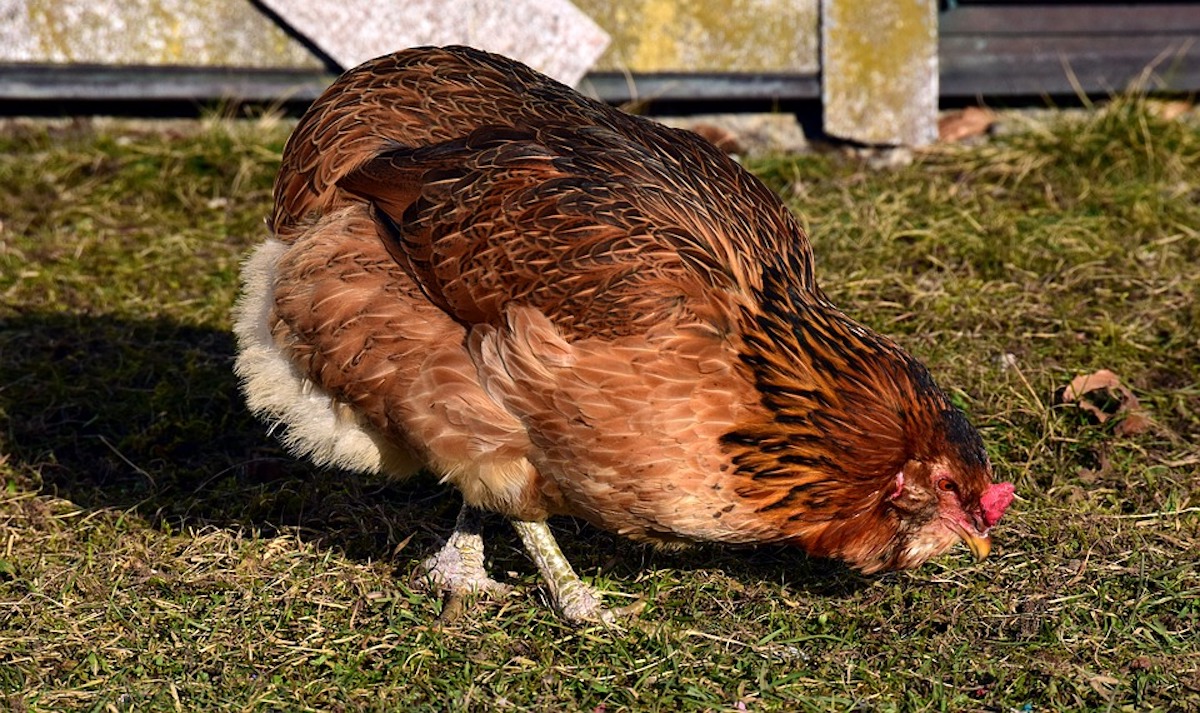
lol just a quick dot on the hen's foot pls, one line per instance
(574, 600)
(457, 569)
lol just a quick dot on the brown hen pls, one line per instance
(562, 309)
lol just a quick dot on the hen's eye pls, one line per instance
(947, 485)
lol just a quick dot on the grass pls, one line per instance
(159, 552)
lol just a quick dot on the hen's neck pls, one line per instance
(837, 398)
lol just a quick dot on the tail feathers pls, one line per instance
(311, 423)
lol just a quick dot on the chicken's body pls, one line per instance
(563, 309)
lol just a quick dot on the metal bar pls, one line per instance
(101, 83)
(617, 88)
(76, 83)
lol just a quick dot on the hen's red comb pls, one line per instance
(995, 501)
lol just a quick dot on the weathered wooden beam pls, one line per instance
(1028, 50)
(1071, 19)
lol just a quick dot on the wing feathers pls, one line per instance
(497, 217)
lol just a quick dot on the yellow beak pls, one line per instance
(981, 545)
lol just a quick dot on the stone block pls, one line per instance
(764, 36)
(552, 36)
(158, 32)
(879, 71)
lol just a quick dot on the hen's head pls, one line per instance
(940, 491)
(858, 454)
(943, 494)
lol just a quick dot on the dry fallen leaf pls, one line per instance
(1103, 684)
(959, 125)
(720, 137)
(1133, 423)
(1102, 395)
(1169, 110)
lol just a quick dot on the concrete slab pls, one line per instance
(552, 36)
(767, 36)
(157, 32)
(880, 71)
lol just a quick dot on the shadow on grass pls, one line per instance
(145, 416)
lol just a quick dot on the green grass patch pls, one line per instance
(158, 551)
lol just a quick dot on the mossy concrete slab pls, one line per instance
(708, 35)
(158, 32)
(880, 70)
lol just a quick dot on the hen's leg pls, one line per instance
(457, 569)
(574, 600)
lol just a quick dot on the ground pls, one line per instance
(158, 551)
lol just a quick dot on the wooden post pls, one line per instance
(879, 70)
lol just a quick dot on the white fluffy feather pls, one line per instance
(316, 425)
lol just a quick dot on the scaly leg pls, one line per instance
(574, 600)
(457, 569)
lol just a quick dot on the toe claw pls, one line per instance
(452, 608)
(457, 569)
(591, 611)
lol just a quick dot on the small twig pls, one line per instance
(1029, 387)
(714, 637)
(1150, 515)
(126, 461)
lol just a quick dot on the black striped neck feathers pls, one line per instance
(845, 410)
